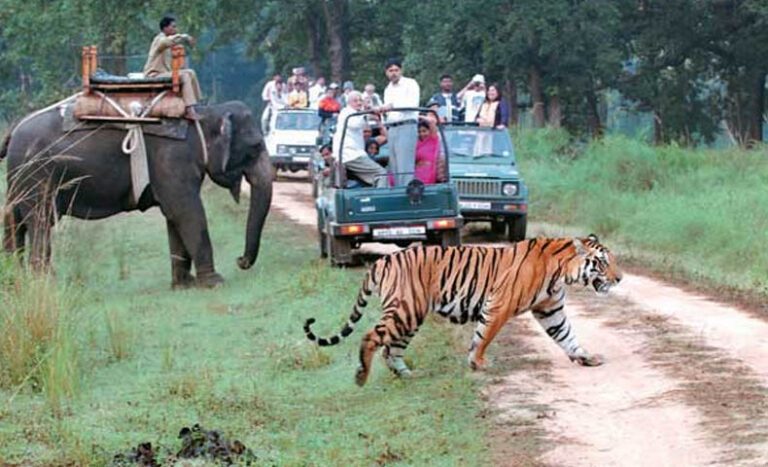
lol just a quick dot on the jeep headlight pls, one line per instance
(282, 149)
(509, 189)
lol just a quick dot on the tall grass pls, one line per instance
(38, 346)
(120, 336)
(699, 211)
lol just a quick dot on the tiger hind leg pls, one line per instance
(372, 340)
(392, 328)
(393, 355)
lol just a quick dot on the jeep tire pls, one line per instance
(450, 238)
(339, 251)
(517, 226)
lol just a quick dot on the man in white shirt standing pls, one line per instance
(472, 97)
(316, 92)
(352, 154)
(271, 95)
(401, 92)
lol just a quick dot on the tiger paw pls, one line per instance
(398, 366)
(361, 376)
(588, 360)
(478, 364)
(404, 373)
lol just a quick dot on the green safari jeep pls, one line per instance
(349, 213)
(483, 166)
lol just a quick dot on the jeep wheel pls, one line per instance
(323, 239)
(339, 251)
(517, 226)
(311, 176)
(499, 227)
(450, 238)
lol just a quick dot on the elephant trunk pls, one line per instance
(260, 179)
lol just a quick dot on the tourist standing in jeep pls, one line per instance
(447, 100)
(401, 92)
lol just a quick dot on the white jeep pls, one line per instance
(293, 139)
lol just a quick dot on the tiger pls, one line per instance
(483, 284)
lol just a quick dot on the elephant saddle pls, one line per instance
(129, 99)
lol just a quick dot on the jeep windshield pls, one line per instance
(476, 143)
(298, 121)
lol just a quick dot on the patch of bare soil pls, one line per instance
(734, 331)
(608, 415)
(731, 396)
(517, 437)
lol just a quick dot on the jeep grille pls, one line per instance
(478, 187)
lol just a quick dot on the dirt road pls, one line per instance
(685, 383)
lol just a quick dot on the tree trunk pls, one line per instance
(315, 38)
(593, 117)
(555, 111)
(658, 129)
(510, 91)
(744, 111)
(537, 99)
(335, 13)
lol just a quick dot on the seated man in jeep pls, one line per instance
(352, 154)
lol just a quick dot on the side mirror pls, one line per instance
(319, 141)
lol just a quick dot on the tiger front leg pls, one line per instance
(558, 327)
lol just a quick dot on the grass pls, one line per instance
(696, 211)
(38, 342)
(151, 361)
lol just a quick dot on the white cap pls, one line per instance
(478, 78)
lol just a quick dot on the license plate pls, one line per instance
(475, 205)
(399, 232)
(300, 159)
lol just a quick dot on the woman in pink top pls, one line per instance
(427, 153)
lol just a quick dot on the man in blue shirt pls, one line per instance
(447, 99)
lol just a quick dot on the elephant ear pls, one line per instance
(225, 133)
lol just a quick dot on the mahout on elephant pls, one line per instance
(83, 172)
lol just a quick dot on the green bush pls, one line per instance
(695, 210)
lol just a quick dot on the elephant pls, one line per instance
(85, 174)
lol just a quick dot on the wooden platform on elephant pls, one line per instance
(112, 98)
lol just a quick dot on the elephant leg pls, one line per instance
(188, 217)
(40, 242)
(14, 231)
(181, 261)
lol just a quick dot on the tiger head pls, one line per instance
(597, 265)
